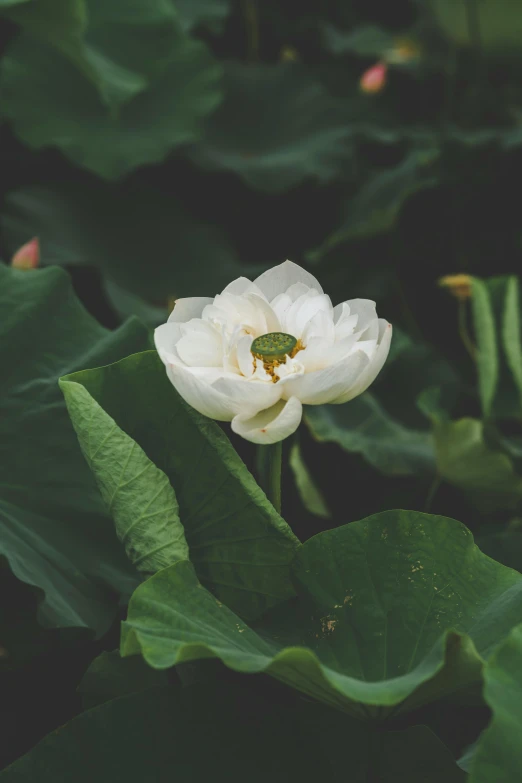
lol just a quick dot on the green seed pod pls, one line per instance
(273, 346)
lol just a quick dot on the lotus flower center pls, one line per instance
(273, 348)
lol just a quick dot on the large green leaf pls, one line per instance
(9, 3)
(119, 46)
(397, 609)
(498, 757)
(499, 364)
(50, 103)
(364, 427)
(138, 495)
(487, 347)
(276, 127)
(53, 528)
(239, 545)
(211, 13)
(376, 206)
(142, 240)
(110, 676)
(465, 460)
(259, 731)
(360, 751)
(499, 22)
(365, 41)
(511, 327)
(506, 547)
(165, 734)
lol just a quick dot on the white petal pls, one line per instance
(245, 359)
(200, 394)
(261, 306)
(201, 345)
(251, 311)
(242, 286)
(320, 353)
(316, 388)
(279, 279)
(375, 366)
(341, 311)
(364, 309)
(290, 368)
(272, 425)
(248, 397)
(316, 354)
(280, 305)
(166, 336)
(320, 325)
(345, 322)
(371, 332)
(303, 310)
(298, 289)
(185, 309)
(368, 346)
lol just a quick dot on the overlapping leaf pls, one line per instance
(397, 609)
(466, 460)
(138, 495)
(211, 13)
(50, 103)
(145, 242)
(257, 728)
(239, 545)
(364, 427)
(54, 530)
(118, 47)
(377, 205)
(498, 756)
(277, 127)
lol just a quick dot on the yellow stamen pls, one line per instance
(271, 365)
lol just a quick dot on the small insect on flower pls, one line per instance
(258, 351)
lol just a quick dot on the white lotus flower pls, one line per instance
(258, 352)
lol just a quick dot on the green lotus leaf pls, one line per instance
(156, 730)
(51, 104)
(392, 612)
(364, 427)
(376, 206)
(143, 241)
(498, 755)
(240, 546)
(210, 13)
(54, 530)
(277, 127)
(119, 47)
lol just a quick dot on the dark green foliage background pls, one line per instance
(161, 148)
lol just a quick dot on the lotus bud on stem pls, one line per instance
(374, 79)
(28, 256)
(459, 286)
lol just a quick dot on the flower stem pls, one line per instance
(268, 463)
(464, 332)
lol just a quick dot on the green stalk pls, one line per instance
(268, 464)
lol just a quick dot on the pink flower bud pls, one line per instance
(374, 79)
(28, 256)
